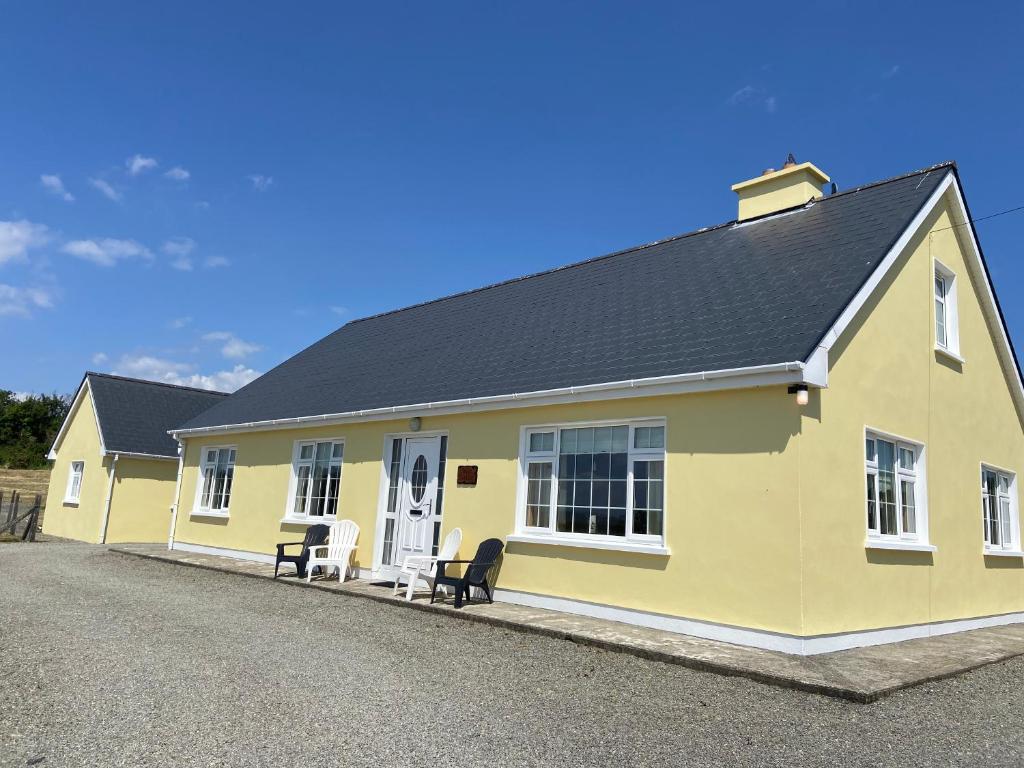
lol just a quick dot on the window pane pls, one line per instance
(306, 452)
(988, 506)
(538, 494)
(302, 489)
(648, 497)
(907, 506)
(887, 487)
(620, 439)
(649, 437)
(872, 513)
(542, 442)
(1004, 520)
(869, 449)
(336, 451)
(207, 487)
(906, 458)
(940, 288)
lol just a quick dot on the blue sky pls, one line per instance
(196, 191)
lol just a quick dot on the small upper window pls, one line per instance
(999, 510)
(74, 488)
(947, 333)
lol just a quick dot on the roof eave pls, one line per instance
(703, 381)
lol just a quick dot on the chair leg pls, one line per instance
(433, 593)
(309, 573)
(410, 589)
(487, 591)
(458, 597)
(276, 566)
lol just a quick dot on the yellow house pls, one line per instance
(114, 465)
(799, 430)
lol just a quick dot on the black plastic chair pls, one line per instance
(476, 572)
(315, 535)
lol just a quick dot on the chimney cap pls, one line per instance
(810, 168)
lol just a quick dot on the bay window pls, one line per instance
(316, 479)
(602, 482)
(217, 471)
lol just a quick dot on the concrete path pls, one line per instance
(860, 674)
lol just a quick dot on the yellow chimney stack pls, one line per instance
(777, 190)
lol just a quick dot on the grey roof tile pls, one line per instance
(732, 296)
(135, 415)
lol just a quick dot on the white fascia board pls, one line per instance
(75, 404)
(135, 455)
(705, 381)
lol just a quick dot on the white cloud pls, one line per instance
(107, 251)
(185, 374)
(891, 72)
(177, 173)
(139, 164)
(214, 262)
(100, 358)
(339, 310)
(233, 347)
(21, 301)
(179, 322)
(260, 183)
(108, 191)
(53, 184)
(18, 237)
(750, 96)
(178, 246)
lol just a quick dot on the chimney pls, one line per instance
(775, 190)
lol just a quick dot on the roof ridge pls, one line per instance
(631, 249)
(156, 383)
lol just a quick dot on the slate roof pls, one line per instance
(135, 415)
(758, 292)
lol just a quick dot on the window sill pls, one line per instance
(618, 546)
(207, 513)
(1003, 552)
(950, 354)
(309, 520)
(906, 546)
(70, 502)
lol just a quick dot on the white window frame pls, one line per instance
(70, 497)
(654, 543)
(198, 510)
(902, 539)
(293, 483)
(1011, 547)
(950, 345)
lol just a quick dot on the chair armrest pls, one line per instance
(419, 561)
(280, 547)
(313, 549)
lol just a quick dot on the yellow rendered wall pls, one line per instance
(887, 375)
(140, 509)
(81, 443)
(731, 514)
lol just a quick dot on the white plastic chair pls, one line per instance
(423, 567)
(337, 552)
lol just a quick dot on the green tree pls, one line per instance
(28, 426)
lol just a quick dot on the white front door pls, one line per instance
(417, 507)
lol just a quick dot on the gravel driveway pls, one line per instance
(110, 660)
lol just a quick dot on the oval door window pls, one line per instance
(419, 479)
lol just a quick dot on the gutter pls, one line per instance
(758, 375)
(110, 498)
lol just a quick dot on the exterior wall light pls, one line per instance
(415, 423)
(800, 390)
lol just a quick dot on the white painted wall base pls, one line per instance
(772, 641)
(755, 638)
